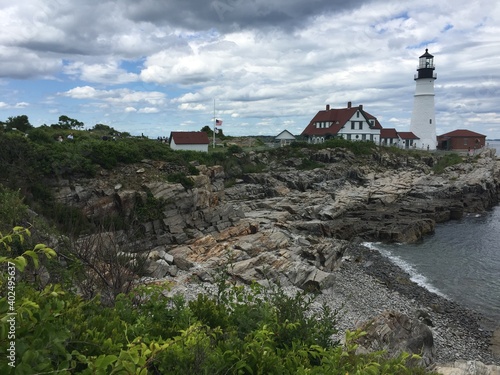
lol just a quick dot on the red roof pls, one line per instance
(338, 118)
(388, 133)
(189, 138)
(407, 135)
(462, 133)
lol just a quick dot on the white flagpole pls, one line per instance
(214, 125)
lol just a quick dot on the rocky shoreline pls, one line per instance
(378, 284)
(305, 229)
(367, 284)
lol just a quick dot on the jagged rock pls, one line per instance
(395, 333)
(157, 269)
(467, 368)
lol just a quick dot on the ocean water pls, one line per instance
(495, 145)
(460, 261)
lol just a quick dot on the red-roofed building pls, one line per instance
(408, 139)
(351, 123)
(461, 139)
(389, 137)
(189, 141)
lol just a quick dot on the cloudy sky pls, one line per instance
(153, 66)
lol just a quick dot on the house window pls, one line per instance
(361, 125)
(357, 114)
(371, 137)
(465, 141)
(363, 137)
(352, 124)
(348, 137)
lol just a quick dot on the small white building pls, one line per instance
(285, 138)
(389, 137)
(189, 141)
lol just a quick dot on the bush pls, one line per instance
(182, 179)
(12, 208)
(238, 331)
(446, 161)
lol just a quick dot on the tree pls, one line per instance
(210, 132)
(20, 123)
(66, 122)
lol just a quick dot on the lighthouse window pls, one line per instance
(430, 121)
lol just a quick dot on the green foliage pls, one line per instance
(308, 164)
(104, 128)
(357, 147)
(20, 123)
(234, 149)
(182, 179)
(240, 330)
(12, 208)
(20, 262)
(445, 161)
(66, 122)
(149, 210)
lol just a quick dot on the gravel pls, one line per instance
(367, 283)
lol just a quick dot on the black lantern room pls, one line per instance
(425, 66)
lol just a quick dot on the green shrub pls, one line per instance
(12, 208)
(446, 161)
(238, 331)
(234, 149)
(308, 164)
(150, 210)
(182, 179)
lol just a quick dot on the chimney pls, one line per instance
(328, 107)
(361, 107)
(349, 104)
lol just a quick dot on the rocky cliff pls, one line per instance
(294, 222)
(295, 226)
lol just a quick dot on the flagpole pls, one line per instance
(214, 126)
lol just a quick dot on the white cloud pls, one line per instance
(149, 110)
(116, 96)
(109, 73)
(267, 65)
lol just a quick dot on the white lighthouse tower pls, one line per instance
(423, 123)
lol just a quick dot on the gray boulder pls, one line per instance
(395, 333)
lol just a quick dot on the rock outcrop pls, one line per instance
(290, 225)
(467, 368)
(396, 333)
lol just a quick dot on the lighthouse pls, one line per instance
(423, 123)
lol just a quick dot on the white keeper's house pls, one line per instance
(351, 123)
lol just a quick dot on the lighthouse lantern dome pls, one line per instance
(426, 60)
